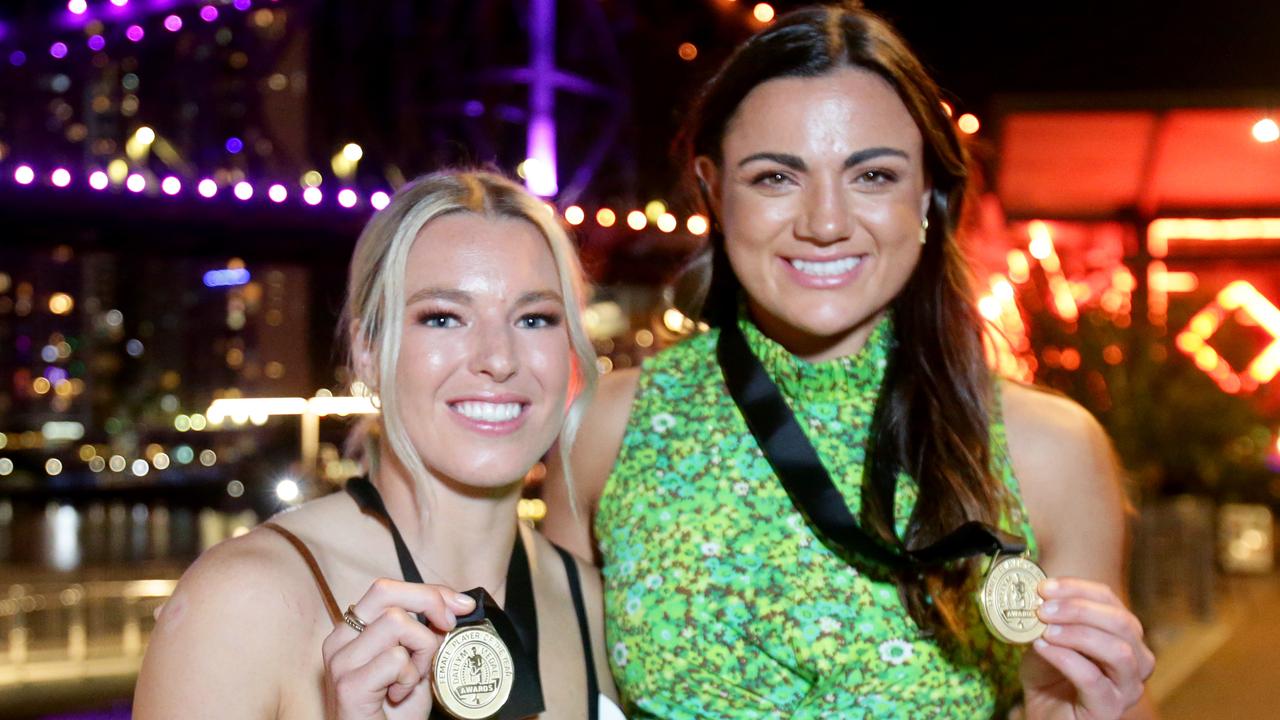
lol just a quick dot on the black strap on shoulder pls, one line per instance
(580, 607)
(808, 483)
(516, 624)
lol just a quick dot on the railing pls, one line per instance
(60, 632)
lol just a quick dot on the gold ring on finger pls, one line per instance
(353, 620)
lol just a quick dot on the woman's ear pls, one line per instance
(708, 174)
(361, 355)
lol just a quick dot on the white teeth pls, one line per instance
(486, 411)
(824, 269)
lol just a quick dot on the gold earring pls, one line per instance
(924, 231)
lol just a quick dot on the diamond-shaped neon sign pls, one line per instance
(1194, 338)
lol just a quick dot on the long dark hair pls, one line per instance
(932, 417)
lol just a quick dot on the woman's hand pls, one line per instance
(384, 672)
(1091, 662)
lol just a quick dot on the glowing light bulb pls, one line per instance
(60, 178)
(697, 225)
(968, 123)
(763, 12)
(379, 200)
(77, 7)
(171, 185)
(207, 188)
(173, 23)
(136, 183)
(277, 193)
(606, 217)
(24, 175)
(1266, 131)
(352, 152)
(243, 190)
(98, 180)
(287, 490)
(312, 196)
(574, 215)
(636, 220)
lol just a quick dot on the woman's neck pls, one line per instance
(459, 537)
(808, 347)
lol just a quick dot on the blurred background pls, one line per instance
(182, 181)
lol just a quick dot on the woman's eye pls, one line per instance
(771, 179)
(538, 320)
(439, 320)
(877, 177)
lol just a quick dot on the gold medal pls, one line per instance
(472, 672)
(1009, 600)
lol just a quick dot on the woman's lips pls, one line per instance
(491, 417)
(825, 273)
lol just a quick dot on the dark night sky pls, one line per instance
(982, 49)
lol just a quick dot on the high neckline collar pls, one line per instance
(796, 377)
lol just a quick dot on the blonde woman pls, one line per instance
(463, 314)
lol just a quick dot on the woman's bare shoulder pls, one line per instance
(1070, 479)
(594, 452)
(239, 615)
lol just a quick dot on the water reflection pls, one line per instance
(65, 537)
(63, 524)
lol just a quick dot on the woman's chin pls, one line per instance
(493, 478)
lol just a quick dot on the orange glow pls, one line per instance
(1206, 358)
(1205, 323)
(1002, 289)
(946, 108)
(636, 220)
(1070, 359)
(605, 217)
(1161, 231)
(688, 51)
(1266, 131)
(1063, 301)
(1123, 280)
(1041, 245)
(1242, 297)
(1189, 342)
(968, 123)
(989, 307)
(763, 12)
(1019, 268)
(697, 225)
(1113, 355)
(1175, 282)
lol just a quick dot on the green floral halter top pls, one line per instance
(721, 602)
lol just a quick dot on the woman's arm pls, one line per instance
(224, 636)
(1093, 661)
(593, 454)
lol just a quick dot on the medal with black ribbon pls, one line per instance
(487, 666)
(1008, 598)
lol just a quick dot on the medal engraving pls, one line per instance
(1008, 600)
(472, 673)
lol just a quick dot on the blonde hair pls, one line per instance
(373, 314)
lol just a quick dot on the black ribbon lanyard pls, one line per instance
(516, 624)
(809, 485)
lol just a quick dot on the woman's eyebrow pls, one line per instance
(434, 293)
(791, 161)
(795, 163)
(862, 156)
(536, 296)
